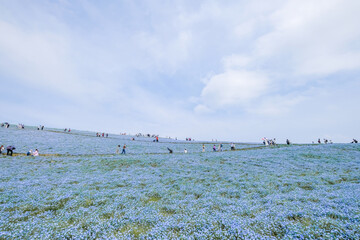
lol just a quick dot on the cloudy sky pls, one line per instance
(229, 70)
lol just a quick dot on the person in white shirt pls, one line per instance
(36, 153)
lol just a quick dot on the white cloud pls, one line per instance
(164, 53)
(294, 43)
(40, 60)
(132, 64)
(235, 61)
(233, 87)
(277, 105)
(313, 37)
(202, 109)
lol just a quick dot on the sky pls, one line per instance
(226, 70)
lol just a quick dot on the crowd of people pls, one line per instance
(146, 135)
(267, 142)
(102, 134)
(326, 141)
(10, 150)
(215, 148)
(5, 125)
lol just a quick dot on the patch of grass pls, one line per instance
(166, 211)
(136, 230)
(312, 156)
(305, 186)
(107, 215)
(153, 197)
(88, 203)
(336, 216)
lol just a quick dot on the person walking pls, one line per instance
(214, 148)
(203, 148)
(10, 150)
(123, 150)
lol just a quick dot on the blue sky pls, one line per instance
(229, 70)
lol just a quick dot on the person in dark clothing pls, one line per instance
(10, 150)
(287, 142)
(170, 150)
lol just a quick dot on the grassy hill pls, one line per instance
(78, 188)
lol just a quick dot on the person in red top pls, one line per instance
(123, 150)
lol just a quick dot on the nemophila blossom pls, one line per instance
(297, 192)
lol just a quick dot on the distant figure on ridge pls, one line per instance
(287, 141)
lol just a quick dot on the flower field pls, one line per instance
(78, 188)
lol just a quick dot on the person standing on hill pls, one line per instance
(10, 150)
(123, 150)
(118, 149)
(214, 148)
(220, 147)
